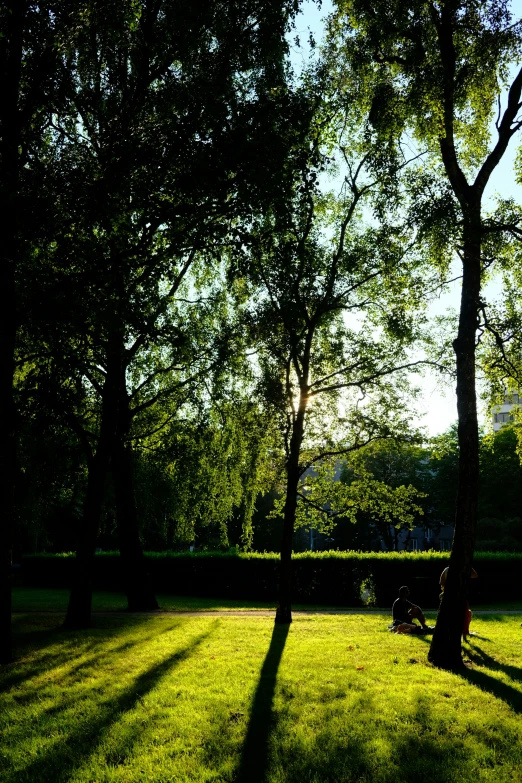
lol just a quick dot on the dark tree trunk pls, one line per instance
(8, 439)
(79, 608)
(445, 650)
(136, 582)
(10, 74)
(8, 461)
(284, 603)
(80, 601)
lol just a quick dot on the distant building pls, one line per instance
(503, 414)
(422, 538)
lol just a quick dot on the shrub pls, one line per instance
(334, 578)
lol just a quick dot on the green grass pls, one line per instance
(329, 699)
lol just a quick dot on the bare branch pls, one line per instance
(360, 382)
(339, 452)
(507, 128)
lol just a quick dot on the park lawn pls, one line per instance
(39, 599)
(327, 699)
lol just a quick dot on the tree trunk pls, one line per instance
(80, 601)
(10, 74)
(140, 596)
(284, 604)
(445, 650)
(8, 438)
(79, 608)
(8, 459)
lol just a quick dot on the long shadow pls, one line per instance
(254, 758)
(501, 690)
(29, 641)
(64, 757)
(512, 696)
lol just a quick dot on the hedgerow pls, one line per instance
(332, 578)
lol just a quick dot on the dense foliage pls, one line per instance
(216, 275)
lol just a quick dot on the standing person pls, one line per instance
(468, 613)
(404, 613)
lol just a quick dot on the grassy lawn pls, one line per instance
(331, 698)
(34, 599)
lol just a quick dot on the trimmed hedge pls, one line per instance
(330, 578)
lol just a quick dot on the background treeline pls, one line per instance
(186, 499)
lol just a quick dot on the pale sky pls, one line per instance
(437, 407)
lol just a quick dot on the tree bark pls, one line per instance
(445, 650)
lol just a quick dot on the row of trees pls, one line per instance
(432, 472)
(184, 499)
(180, 280)
(135, 145)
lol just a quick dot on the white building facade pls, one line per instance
(504, 414)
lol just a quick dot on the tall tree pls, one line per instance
(160, 151)
(332, 319)
(437, 70)
(30, 37)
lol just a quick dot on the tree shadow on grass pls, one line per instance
(507, 693)
(352, 744)
(254, 758)
(33, 661)
(512, 696)
(67, 754)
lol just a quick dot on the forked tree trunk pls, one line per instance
(445, 650)
(136, 583)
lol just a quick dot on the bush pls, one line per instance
(333, 578)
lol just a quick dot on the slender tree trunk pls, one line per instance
(445, 650)
(284, 604)
(140, 596)
(10, 74)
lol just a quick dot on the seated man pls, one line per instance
(404, 613)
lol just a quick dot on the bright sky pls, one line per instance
(437, 406)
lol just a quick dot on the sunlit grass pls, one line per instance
(169, 698)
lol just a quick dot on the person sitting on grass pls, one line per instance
(404, 613)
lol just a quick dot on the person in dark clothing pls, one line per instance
(404, 613)
(468, 613)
